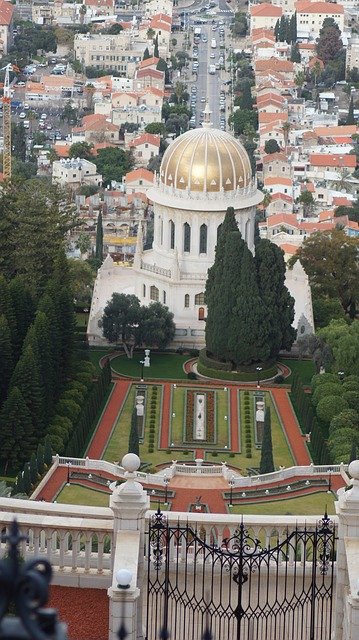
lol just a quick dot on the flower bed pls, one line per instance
(190, 417)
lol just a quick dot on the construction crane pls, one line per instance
(6, 115)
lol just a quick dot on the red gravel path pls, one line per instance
(199, 453)
(211, 497)
(234, 419)
(291, 426)
(86, 611)
(103, 431)
(165, 422)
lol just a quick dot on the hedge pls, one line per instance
(235, 375)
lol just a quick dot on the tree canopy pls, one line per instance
(329, 44)
(330, 259)
(128, 323)
(113, 163)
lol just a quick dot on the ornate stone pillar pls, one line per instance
(129, 503)
(347, 565)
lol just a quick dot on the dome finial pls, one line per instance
(207, 116)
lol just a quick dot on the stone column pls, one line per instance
(129, 503)
(347, 565)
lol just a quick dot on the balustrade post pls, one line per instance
(129, 503)
(347, 573)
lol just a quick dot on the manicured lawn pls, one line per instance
(304, 368)
(95, 356)
(177, 420)
(163, 366)
(83, 495)
(82, 319)
(312, 504)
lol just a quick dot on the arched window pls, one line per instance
(164, 296)
(186, 300)
(186, 238)
(154, 293)
(144, 290)
(199, 298)
(172, 234)
(203, 238)
(201, 313)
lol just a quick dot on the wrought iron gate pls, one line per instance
(238, 588)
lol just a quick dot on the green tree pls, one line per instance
(299, 80)
(48, 452)
(215, 340)
(249, 328)
(40, 458)
(26, 478)
(350, 117)
(326, 309)
(16, 431)
(246, 100)
(99, 238)
(271, 270)
(271, 146)
(6, 358)
(307, 200)
(47, 306)
(7, 309)
(156, 52)
(33, 469)
(81, 150)
(156, 128)
(267, 463)
(146, 54)
(18, 141)
(329, 44)
(133, 442)
(82, 277)
(156, 328)
(40, 338)
(330, 259)
(83, 243)
(113, 163)
(69, 113)
(35, 217)
(24, 309)
(329, 407)
(115, 29)
(27, 378)
(243, 117)
(343, 341)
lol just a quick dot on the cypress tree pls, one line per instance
(146, 54)
(40, 459)
(133, 441)
(26, 378)
(40, 337)
(7, 309)
(33, 469)
(282, 31)
(24, 309)
(156, 52)
(99, 238)
(19, 485)
(353, 453)
(350, 117)
(229, 292)
(276, 30)
(267, 463)
(246, 100)
(26, 478)
(293, 28)
(6, 358)
(214, 288)
(47, 306)
(17, 439)
(295, 53)
(248, 337)
(48, 452)
(270, 268)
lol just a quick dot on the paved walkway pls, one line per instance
(109, 418)
(86, 611)
(291, 426)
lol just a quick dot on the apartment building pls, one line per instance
(120, 52)
(311, 15)
(6, 26)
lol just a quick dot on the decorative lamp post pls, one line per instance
(68, 473)
(258, 370)
(142, 363)
(166, 481)
(231, 484)
(341, 375)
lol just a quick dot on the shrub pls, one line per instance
(232, 455)
(56, 443)
(279, 379)
(68, 408)
(348, 418)
(324, 390)
(185, 453)
(84, 378)
(350, 385)
(323, 378)
(73, 394)
(194, 353)
(352, 398)
(215, 454)
(211, 363)
(75, 384)
(191, 375)
(330, 407)
(150, 449)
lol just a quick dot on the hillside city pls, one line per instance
(179, 336)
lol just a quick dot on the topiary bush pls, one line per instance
(330, 407)
(323, 378)
(325, 390)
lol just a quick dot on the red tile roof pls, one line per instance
(139, 174)
(274, 64)
(332, 160)
(272, 157)
(148, 138)
(266, 10)
(341, 201)
(278, 180)
(303, 6)
(149, 62)
(6, 12)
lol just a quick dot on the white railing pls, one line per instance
(75, 539)
(154, 269)
(186, 469)
(109, 467)
(287, 473)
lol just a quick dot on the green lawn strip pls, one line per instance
(95, 356)
(177, 426)
(222, 424)
(144, 453)
(81, 319)
(76, 494)
(117, 444)
(282, 454)
(163, 366)
(310, 504)
(98, 417)
(304, 368)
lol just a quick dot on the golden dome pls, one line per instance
(207, 160)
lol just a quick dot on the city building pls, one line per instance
(6, 26)
(264, 16)
(311, 15)
(75, 172)
(119, 52)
